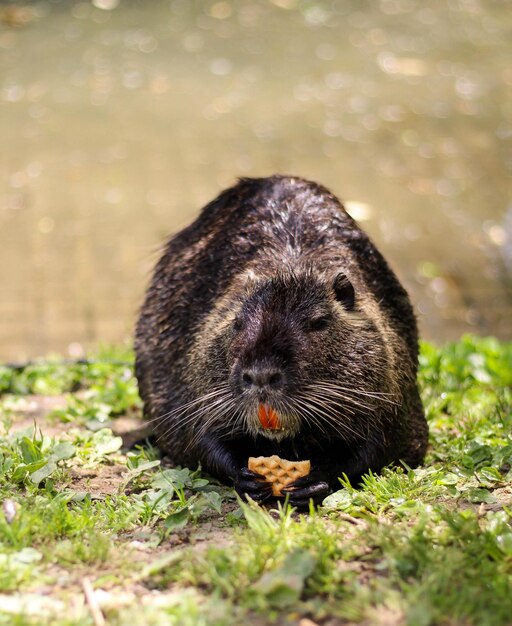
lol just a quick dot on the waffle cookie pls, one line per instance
(277, 471)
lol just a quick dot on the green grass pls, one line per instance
(417, 547)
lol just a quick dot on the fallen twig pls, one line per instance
(92, 603)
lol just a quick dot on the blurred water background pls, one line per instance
(120, 119)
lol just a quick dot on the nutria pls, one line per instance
(275, 298)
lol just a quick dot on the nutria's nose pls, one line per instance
(262, 377)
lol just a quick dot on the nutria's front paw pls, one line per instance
(306, 488)
(250, 484)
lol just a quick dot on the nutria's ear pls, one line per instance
(344, 291)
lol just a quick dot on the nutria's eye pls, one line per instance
(237, 325)
(344, 291)
(318, 323)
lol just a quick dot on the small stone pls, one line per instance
(9, 508)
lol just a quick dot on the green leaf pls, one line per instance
(479, 495)
(448, 479)
(62, 451)
(20, 473)
(29, 451)
(213, 499)
(489, 475)
(479, 454)
(46, 470)
(105, 443)
(467, 462)
(283, 586)
(505, 543)
(175, 478)
(178, 520)
(341, 499)
(140, 469)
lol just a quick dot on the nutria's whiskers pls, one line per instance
(213, 420)
(307, 411)
(332, 416)
(200, 412)
(183, 408)
(381, 396)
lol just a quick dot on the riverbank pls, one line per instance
(97, 527)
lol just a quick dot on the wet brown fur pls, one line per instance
(240, 290)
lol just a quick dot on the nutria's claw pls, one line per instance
(250, 484)
(306, 488)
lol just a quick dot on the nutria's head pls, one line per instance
(295, 352)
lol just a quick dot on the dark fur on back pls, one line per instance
(275, 282)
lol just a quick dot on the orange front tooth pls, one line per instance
(262, 414)
(268, 417)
